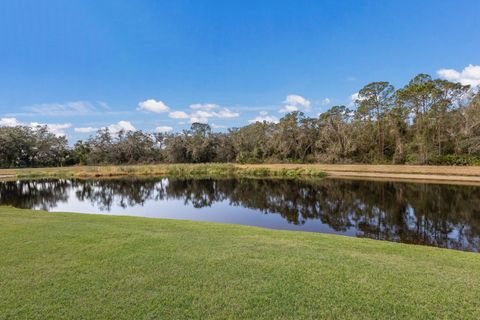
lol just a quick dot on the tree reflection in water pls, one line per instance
(438, 215)
(41, 194)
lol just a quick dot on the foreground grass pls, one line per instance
(101, 267)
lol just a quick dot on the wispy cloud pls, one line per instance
(104, 105)
(74, 108)
(67, 109)
(325, 101)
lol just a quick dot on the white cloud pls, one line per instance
(288, 108)
(153, 105)
(198, 120)
(226, 113)
(57, 129)
(216, 126)
(204, 106)
(113, 128)
(297, 100)
(9, 122)
(470, 75)
(354, 97)
(121, 125)
(294, 102)
(202, 116)
(178, 115)
(163, 129)
(85, 130)
(202, 112)
(326, 101)
(263, 116)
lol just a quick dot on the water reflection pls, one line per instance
(438, 215)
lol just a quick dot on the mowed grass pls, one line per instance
(74, 266)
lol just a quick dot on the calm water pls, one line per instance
(437, 215)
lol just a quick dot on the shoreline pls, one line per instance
(430, 174)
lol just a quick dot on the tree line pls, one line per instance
(428, 121)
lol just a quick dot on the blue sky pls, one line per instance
(80, 65)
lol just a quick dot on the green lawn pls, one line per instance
(56, 266)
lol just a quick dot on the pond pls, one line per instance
(430, 214)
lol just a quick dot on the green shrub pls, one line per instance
(454, 160)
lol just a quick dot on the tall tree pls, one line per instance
(449, 99)
(419, 96)
(375, 101)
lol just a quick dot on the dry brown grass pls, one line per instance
(372, 168)
(441, 174)
(451, 174)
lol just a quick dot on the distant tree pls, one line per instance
(336, 143)
(199, 144)
(80, 153)
(253, 143)
(24, 146)
(287, 136)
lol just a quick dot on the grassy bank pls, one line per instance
(437, 174)
(103, 267)
(187, 170)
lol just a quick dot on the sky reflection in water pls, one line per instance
(437, 215)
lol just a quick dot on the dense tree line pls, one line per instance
(24, 146)
(428, 121)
